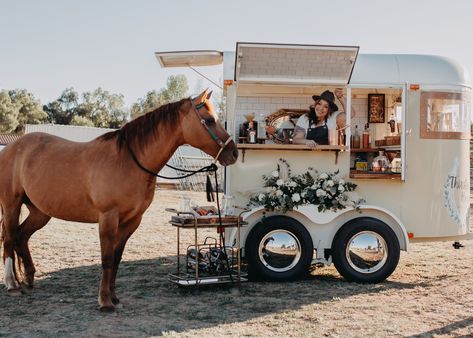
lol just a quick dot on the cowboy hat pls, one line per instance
(327, 96)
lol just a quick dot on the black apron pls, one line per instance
(318, 134)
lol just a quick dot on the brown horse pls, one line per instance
(103, 181)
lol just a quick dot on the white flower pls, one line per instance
(293, 184)
(275, 174)
(330, 183)
(314, 186)
(341, 188)
(323, 176)
(303, 194)
(320, 193)
(279, 193)
(279, 182)
(296, 197)
(261, 197)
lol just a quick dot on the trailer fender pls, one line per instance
(311, 218)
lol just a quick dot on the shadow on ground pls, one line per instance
(64, 303)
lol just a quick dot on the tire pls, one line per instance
(263, 243)
(376, 241)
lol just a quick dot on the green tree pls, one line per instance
(81, 121)
(176, 89)
(30, 110)
(8, 113)
(63, 110)
(104, 109)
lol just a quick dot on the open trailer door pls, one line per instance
(192, 58)
(288, 64)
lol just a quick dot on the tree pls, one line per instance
(30, 110)
(98, 108)
(176, 89)
(8, 113)
(104, 109)
(63, 110)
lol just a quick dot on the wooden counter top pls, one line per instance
(373, 175)
(275, 146)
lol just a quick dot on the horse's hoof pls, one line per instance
(14, 292)
(26, 288)
(107, 308)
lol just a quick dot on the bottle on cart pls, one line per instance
(366, 137)
(356, 138)
(251, 132)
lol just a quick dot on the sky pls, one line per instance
(50, 45)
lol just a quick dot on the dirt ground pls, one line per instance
(430, 294)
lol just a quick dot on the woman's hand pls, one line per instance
(311, 144)
(338, 93)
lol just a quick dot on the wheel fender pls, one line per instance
(310, 216)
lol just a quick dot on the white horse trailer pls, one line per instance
(425, 197)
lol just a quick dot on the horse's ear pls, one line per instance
(203, 96)
(209, 95)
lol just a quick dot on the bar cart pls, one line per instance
(210, 261)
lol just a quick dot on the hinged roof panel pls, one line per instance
(194, 58)
(294, 64)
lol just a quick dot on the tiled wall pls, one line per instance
(262, 106)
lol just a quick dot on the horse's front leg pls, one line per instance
(125, 230)
(108, 224)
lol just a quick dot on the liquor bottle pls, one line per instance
(366, 137)
(251, 132)
(356, 138)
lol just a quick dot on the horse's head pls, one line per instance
(202, 129)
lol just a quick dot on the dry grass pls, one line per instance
(430, 293)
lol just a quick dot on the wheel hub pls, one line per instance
(279, 250)
(366, 252)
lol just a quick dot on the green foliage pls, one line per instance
(63, 110)
(176, 89)
(30, 110)
(98, 108)
(8, 113)
(17, 108)
(327, 191)
(81, 121)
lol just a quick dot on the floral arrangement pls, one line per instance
(284, 192)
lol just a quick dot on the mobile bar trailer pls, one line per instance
(423, 196)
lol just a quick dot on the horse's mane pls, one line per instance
(145, 127)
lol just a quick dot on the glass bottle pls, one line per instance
(356, 138)
(366, 137)
(380, 162)
(251, 132)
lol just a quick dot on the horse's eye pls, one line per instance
(210, 120)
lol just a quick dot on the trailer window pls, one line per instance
(444, 115)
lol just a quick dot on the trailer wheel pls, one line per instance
(365, 250)
(278, 249)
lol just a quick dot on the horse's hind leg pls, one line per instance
(11, 215)
(35, 221)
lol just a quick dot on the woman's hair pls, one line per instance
(313, 118)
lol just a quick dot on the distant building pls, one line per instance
(7, 138)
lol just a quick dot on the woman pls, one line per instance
(311, 129)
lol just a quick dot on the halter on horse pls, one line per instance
(98, 182)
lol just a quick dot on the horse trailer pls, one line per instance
(417, 108)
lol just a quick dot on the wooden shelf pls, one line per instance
(374, 175)
(364, 150)
(256, 146)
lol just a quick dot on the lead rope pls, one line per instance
(221, 232)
